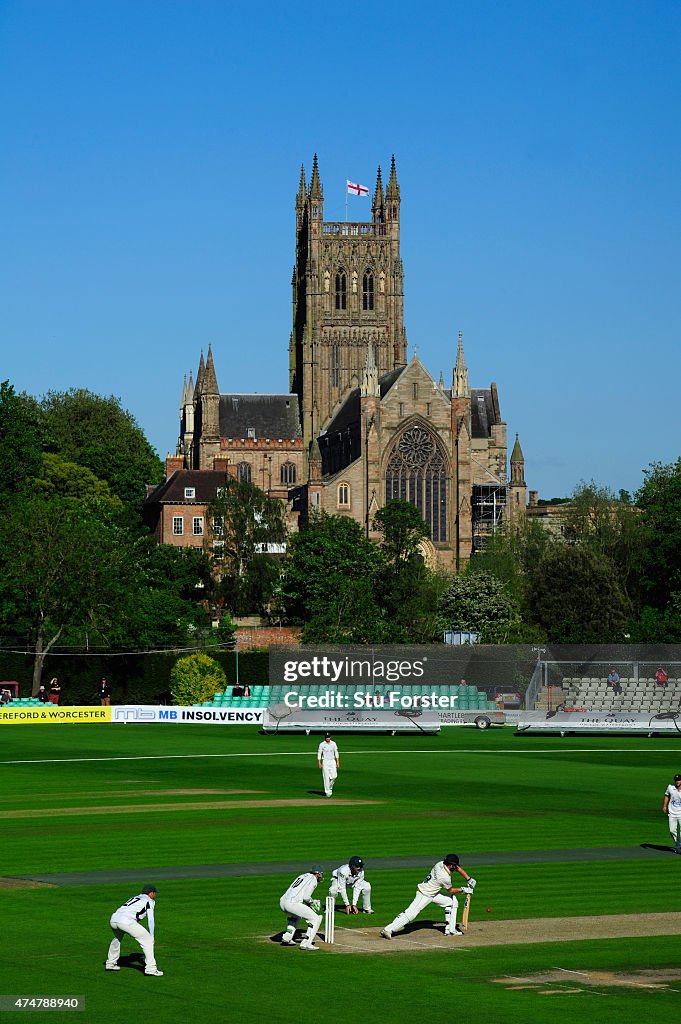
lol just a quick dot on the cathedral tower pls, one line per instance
(348, 292)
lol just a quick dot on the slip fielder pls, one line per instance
(297, 902)
(671, 805)
(428, 891)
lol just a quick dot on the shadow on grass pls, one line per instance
(657, 846)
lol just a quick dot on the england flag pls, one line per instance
(356, 190)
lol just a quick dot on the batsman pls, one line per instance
(428, 891)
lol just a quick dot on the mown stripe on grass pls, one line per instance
(377, 864)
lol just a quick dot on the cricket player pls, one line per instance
(297, 902)
(126, 921)
(428, 891)
(351, 876)
(671, 805)
(328, 761)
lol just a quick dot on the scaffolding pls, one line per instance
(488, 509)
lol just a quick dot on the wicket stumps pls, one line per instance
(330, 919)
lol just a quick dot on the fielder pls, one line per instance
(351, 876)
(428, 891)
(297, 902)
(126, 921)
(671, 805)
(328, 761)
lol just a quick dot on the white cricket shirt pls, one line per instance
(439, 878)
(301, 888)
(674, 794)
(137, 909)
(327, 750)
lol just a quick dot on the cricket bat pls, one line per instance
(466, 908)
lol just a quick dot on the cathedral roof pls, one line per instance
(272, 416)
(349, 411)
(483, 415)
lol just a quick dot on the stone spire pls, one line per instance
(517, 464)
(199, 375)
(460, 377)
(302, 188)
(393, 189)
(369, 385)
(378, 203)
(209, 382)
(183, 400)
(316, 190)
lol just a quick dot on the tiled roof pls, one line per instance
(274, 416)
(204, 481)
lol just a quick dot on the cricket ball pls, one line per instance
(489, 910)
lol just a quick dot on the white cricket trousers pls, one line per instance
(294, 910)
(450, 904)
(329, 775)
(140, 934)
(362, 889)
(675, 827)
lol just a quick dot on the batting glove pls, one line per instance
(472, 883)
(467, 889)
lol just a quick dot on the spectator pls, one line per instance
(614, 681)
(237, 690)
(6, 696)
(55, 690)
(247, 690)
(661, 678)
(104, 694)
(43, 695)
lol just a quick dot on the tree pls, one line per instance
(326, 553)
(99, 434)
(659, 500)
(73, 483)
(575, 595)
(20, 445)
(402, 529)
(65, 572)
(243, 521)
(480, 602)
(195, 679)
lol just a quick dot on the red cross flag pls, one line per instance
(356, 190)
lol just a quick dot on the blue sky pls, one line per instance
(149, 163)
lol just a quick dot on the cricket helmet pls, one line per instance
(356, 862)
(452, 860)
(316, 869)
(676, 778)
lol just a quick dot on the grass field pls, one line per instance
(551, 828)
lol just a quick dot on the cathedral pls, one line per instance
(361, 423)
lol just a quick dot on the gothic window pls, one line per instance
(368, 291)
(414, 391)
(327, 280)
(335, 366)
(416, 473)
(288, 473)
(343, 496)
(341, 290)
(243, 472)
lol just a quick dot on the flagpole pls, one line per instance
(346, 202)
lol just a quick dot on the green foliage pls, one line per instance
(242, 520)
(97, 433)
(329, 552)
(196, 678)
(20, 447)
(481, 602)
(575, 596)
(76, 484)
(402, 529)
(660, 502)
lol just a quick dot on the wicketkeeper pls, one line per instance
(351, 876)
(428, 891)
(297, 902)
